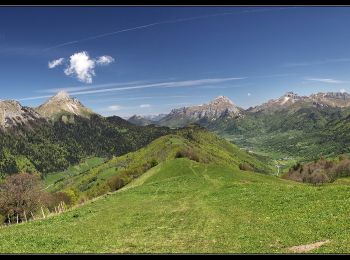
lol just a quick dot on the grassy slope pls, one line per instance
(53, 178)
(205, 145)
(185, 206)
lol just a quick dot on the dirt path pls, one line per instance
(307, 247)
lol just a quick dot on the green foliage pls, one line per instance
(194, 143)
(300, 132)
(53, 147)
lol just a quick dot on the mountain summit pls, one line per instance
(219, 107)
(63, 104)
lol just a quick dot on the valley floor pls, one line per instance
(181, 206)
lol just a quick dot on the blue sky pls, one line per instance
(148, 60)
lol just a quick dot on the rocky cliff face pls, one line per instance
(13, 114)
(217, 108)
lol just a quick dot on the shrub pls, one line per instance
(72, 195)
(153, 163)
(188, 153)
(115, 183)
(318, 177)
(245, 167)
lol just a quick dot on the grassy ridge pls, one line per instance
(205, 146)
(185, 206)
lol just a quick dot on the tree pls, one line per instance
(20, 194)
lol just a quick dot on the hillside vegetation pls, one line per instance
(184, 206)
(55, 146)
(194, 143)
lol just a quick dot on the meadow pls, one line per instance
(183, 206)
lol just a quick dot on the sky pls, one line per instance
(149, 60)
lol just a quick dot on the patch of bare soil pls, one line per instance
(308, 247)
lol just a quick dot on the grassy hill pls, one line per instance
(193, 142)
(184, 206)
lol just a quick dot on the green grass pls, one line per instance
(56, 177)
(181, 206)
(207, 146)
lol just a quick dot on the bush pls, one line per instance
(245, 167)
(115, 183)
(318, 177)
(72, 195)
(188, 153)
(153, 163)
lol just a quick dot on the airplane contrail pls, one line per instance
(163, 22)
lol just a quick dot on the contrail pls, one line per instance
(163, 22)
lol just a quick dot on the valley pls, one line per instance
(210, 178)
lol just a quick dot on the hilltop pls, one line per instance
(194, 143)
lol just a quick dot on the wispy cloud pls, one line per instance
(145, 106)
(172, 84)
(55, 63)
(104, 60)
(103, 100)
(114, 108)
(326, 80)
(85, 87)
(319, 62)
(141, 27)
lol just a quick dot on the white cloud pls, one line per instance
(249, 94)
(55, 63)
(145, 106)
(104, 60)
(323, 80)
(114, 108)
(82, 66)
(343, 90)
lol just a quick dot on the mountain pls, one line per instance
(62, 105)
(13, 114)
(146, 119)
(140, 120)
(220, 107)
(284, 102)
(34, 140)
(293, 101)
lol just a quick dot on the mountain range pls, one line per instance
(62, 131)
(223, 108)
(304, 127)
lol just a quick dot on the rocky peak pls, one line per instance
(62, 103)
(60, 96)
(221, 100)
(12, 114)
